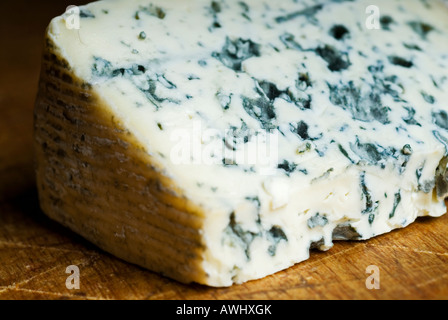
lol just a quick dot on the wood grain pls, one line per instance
(34, 251)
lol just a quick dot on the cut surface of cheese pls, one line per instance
(219, 142)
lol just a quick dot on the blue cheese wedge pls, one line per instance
(220, 141)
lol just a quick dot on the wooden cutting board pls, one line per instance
(410, 263)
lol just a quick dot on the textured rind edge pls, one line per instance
(96, 179)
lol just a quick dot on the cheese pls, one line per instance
(219, 142)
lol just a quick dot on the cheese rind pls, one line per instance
(218, 142)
